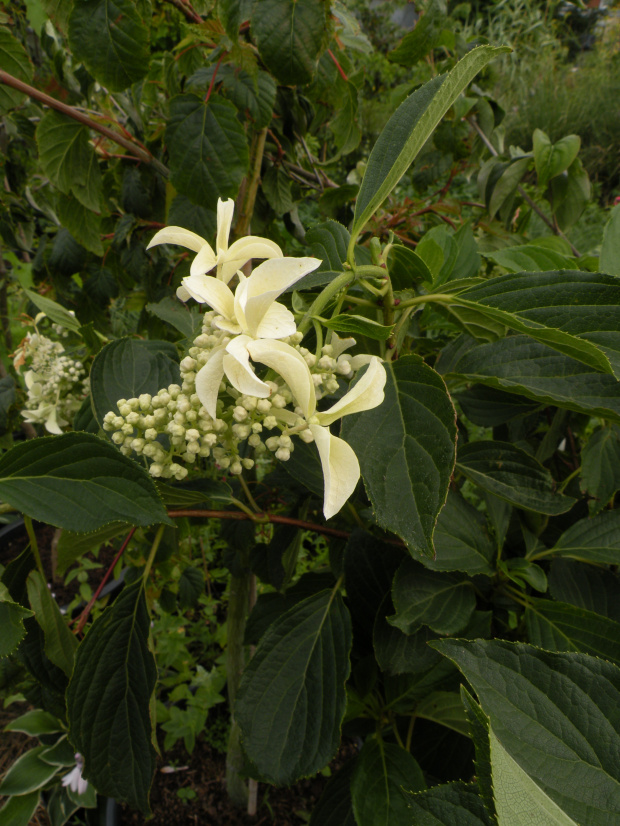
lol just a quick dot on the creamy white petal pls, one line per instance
(278, 322)
(243, 251)
(268, 281)
(208, 380)
(339, 345)
(178, 235)
(341, 470)
(289, 364)
(204, 261)
(227, 325)
(225, 210)
(364, 395)
(239, 370)
(240, 300)
(212, 291)
(183, 294)
(359, 361)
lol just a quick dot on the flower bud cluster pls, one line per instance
(173, 429)
(56, 383)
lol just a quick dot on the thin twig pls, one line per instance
(545, 218)
(74, 113)
(310, 160)
(187, 9)
(213, 76)
(251, 189)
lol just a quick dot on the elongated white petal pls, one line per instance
(239, 370)
(366, 394)
(183, 294)
(225, 210)
(178, 235)
(289, 364)
(341, 470)
(208, 380)
(339, 345)
(278, 322)
(209, 290)
(204, 261)
(227, 325)
(243, 251)
(269, 280)
(240, 300)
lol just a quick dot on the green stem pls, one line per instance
(324, 297)
(442, 298)
(152, 552)
(569, 478)
(34, 547)
(248, 494)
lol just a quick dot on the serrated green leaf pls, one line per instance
(567, 748)
(530, 258)
(12, 616)
(111, 39)
(552, 159)
(521, 365)
(507, 471)
(397, 652)
(56, 312)
(462, 542)
(253, 95)
(610, 248)
(328, 241)
(384, 774)
(292, 699)
(479, 732)
(444, 602)
(174, 312)
(344, 126)
(19, 810)
(83, 224)
(113, 679)
(519, 801)
(445, 708)
(35, 723)
(127, 368)
(289, 37)
(233, 13)
(277, 190)
(27, 773)
(570, 193)
(60, 643)
(72, 546)
(575, 312)
(208, 148)
(358, 325)
(15, 61)
(424, 36)
(408, 130)
(558, 626)
(452, 804)
(79, 482)
(587, 586)
(590, 540)
(407, 268)
(406, 451)
(600, 466)
(488, 407)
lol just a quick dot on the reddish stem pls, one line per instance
(338, 66)
(84, 615)
(211, 85)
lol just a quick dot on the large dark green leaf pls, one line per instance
(289, 37)
(233, 13)
(406, 451)
(488, 407)
(397, 652)
(14, 60)
(555, 717)
(521, 365)
(552, 159)
(12, 616)
(408, 130)
(292, 699)
(19, 810)
(444, 602)
(334, 807)
(384, 775)
(591, 587)
(462, 542)
(590, 540)
(575, 312)
(79, 482)
(208, 148)
(507, 471)
(177, 314)
(479, 733)
(328, 241)
(111, 39)
(60, 643)
(558, 626)
(529, 258)
(126, 368)
(600, 466)
(108, 701)
(424, 37)
(83, 224)
(455, 804)
(29, 772)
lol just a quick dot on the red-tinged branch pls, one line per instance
(130, 145)
(84, 615)
(213, 76)
(338, 66)
(188, 10)
(270, 517)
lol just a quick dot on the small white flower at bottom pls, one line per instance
(74, 779)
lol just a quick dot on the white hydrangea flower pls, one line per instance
(224, 259)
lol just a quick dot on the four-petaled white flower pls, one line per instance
(341, 469)
(251, 313)
(74, 779)
(226, 259)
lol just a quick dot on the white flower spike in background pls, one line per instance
(226, 259)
